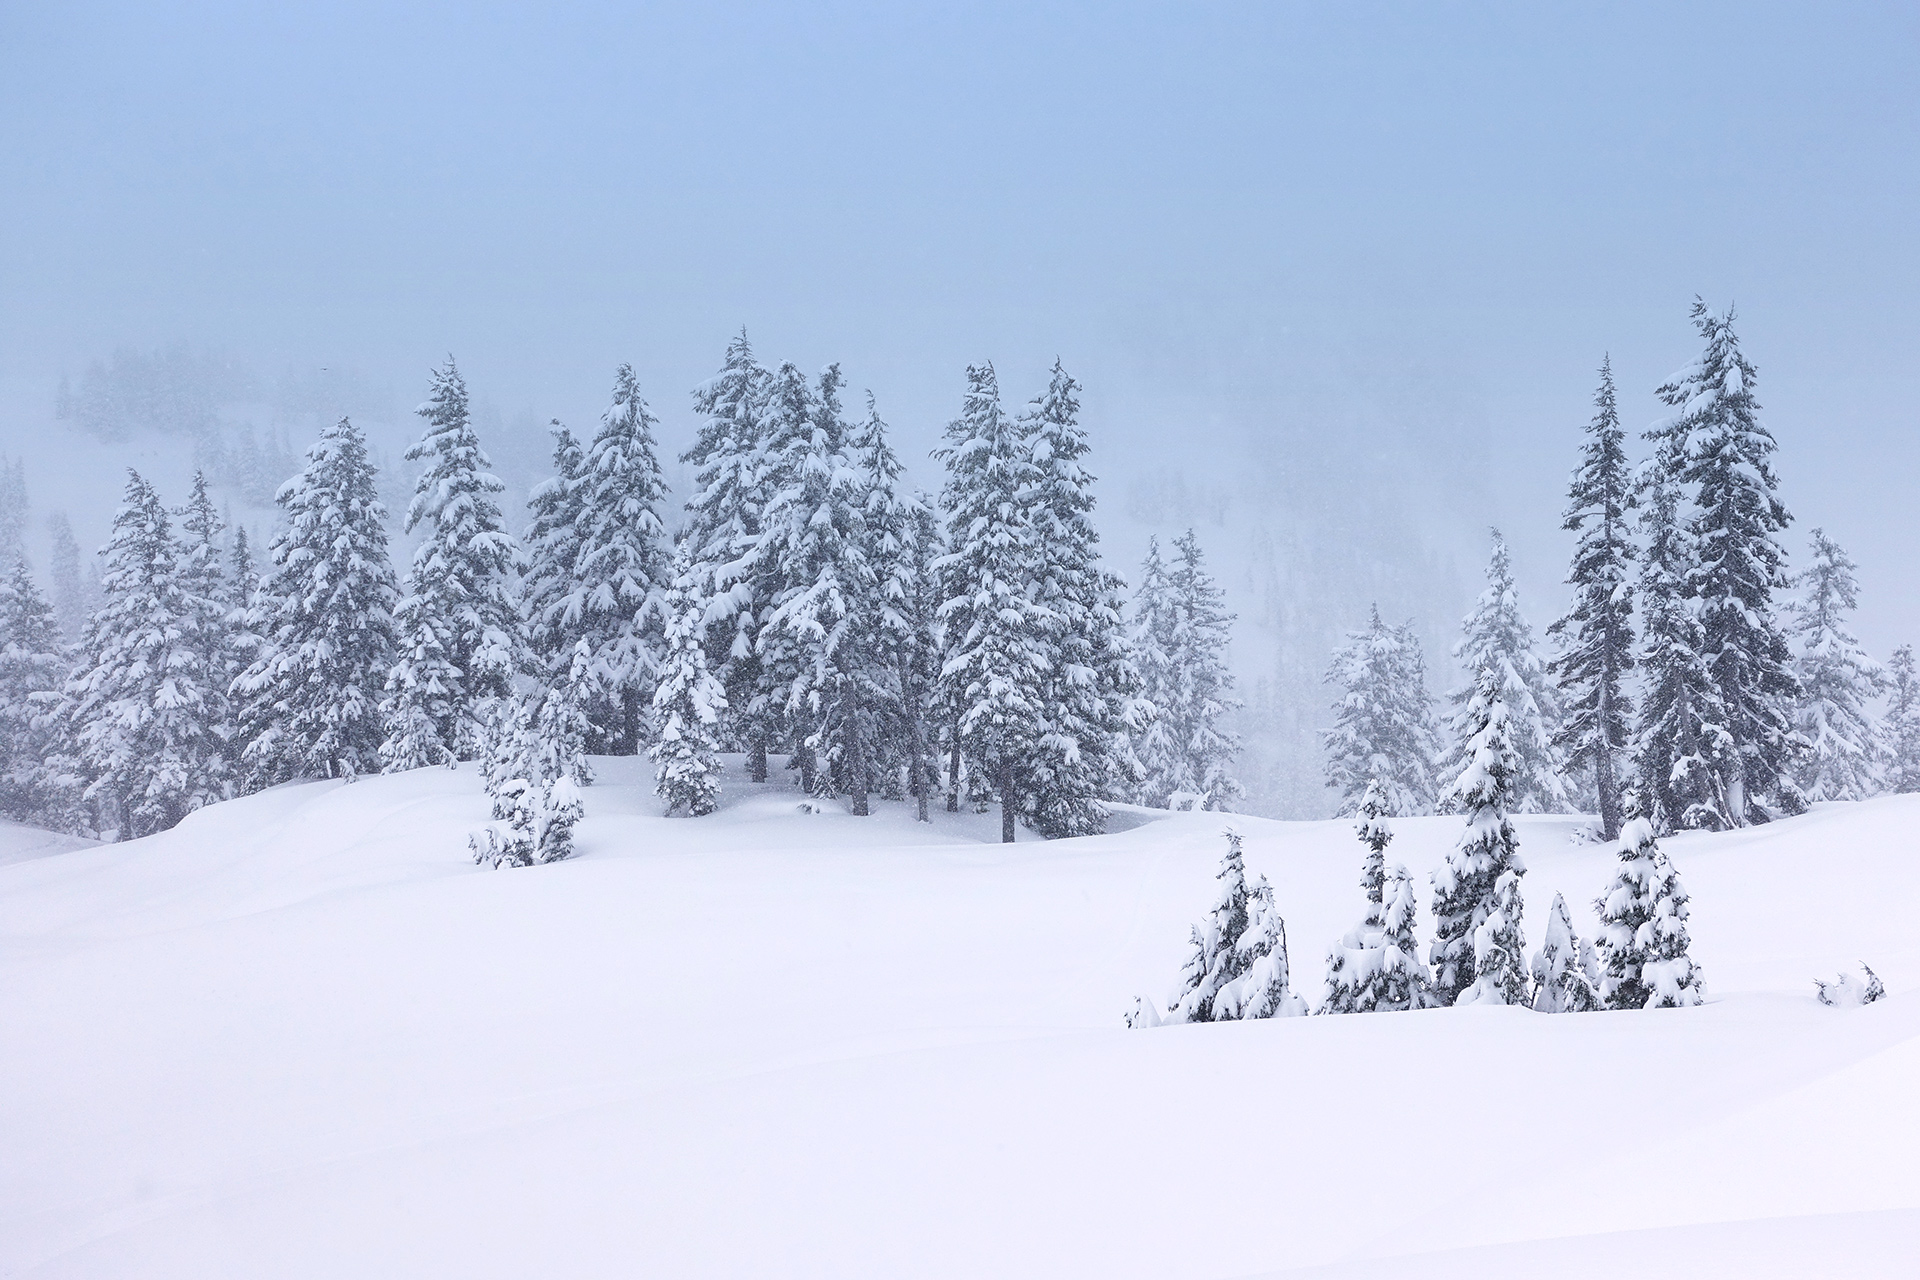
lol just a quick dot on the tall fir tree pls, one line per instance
(902, 541)
(1643, 941)
(38, 783)
(138, 697)
(552, 540)
(311, 698)
(462, 638)
(1903, 723)
(1597, 634)
(1089, 699)
(1846, 748)
(1383, 731)
(74, 591)
(1680, 739)
(212, 629)
(688, 703)
(1181, 635)
(1724, 454)
(622, 569)
(1476, 899)
(723, 519)
(14, 509)
(997, 666)
(1497, 638)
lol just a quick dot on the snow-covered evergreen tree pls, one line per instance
(210, 622)
(1476, 899)
(73, 592)
(138, 698)
(311, 697)
(552, 541)
(1724, 453)
(1496, 637)
(688, 703)
(1680, 741)
(462, 638)
(1560, 981)
(997, 664)
(1263, 985)
(1383, 723)
(1848, 992)
(1643, 927)
(901, 541)
(820, 643)
(1089, 701)
(1181, 635)
(1598, 632)
(534, 761)
(723, 519)
(1903, 723)
(1375, 832)
(1846, 744)
(1376, 967)
(14, 509)
(38, 784)
(621, 570)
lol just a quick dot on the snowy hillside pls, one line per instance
(300, 1036)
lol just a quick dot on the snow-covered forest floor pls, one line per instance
(301, 1036)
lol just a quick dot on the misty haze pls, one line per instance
(720, 640)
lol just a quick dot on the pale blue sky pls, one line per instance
(1258, 233)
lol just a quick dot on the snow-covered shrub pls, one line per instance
(1849, 993)
(1561, 982)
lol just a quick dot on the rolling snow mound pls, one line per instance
(301, 1036)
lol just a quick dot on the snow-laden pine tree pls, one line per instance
(139, 694)
(1496, 637)
(38, 785)
(1560, 981)
(901, 540)
(821, 640)
(1181, 636)
(1597, 634)
(1903, 723)
(723, 519)
(1376, 967)
(1643, 927)
(622, 568)
(1725, 455)
(1479, 881)
(1238, 969)
(311, 698)
(552, 542)
(1680, 740)
(1846, 747)
(997, 662)
(688, 702)
(1383, 729)
(1089, 702)
(461, 635)
(536, 765)
(1375, 832)
(209, 621)
(73, 596)
(13, 509)
(1263, 985)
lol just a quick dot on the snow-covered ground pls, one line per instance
(301, 1036)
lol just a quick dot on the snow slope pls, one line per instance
(300, 1036)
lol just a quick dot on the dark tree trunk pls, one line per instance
(1006, 800)
(629, 722)
(757, 758)
(808, 773)
(917, 771)
(855, 759)
(953, 777)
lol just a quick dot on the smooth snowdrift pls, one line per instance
(300, 1036)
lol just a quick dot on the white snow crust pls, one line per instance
(302, 1036)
